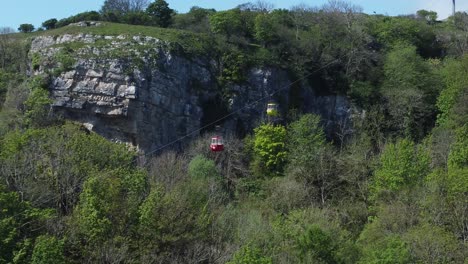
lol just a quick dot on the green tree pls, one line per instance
(269, 149)
(109, 204)
(85, 16)
(26, 28)
(249, 255)
(202, 168)
(19, 223)
(38, 107)
(305, 139)
(402, 165)
(389, 31)
(317, 244)
(265, 30)
(48, 249)
(161, 13)
(455, 75)
(433, 244)
(411, 89)
(429, 16)
(312, 235)
(172, 220)
(50, 24)
(226, 22)
(197, 20)
(310, 158)
(391, 250)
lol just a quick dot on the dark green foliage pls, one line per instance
(26, 28)
(19, 223)
(235, 66)
(37, 107)
(50, 24)
(136, 18)
(197, 20)
(411, 89)
(85, 16)
(161, 13)
(49, 165)
(318, 244)
(390, 31)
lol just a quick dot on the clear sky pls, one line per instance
(16, 12)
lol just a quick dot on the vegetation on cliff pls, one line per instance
(393, 189)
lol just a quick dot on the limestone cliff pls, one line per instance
(139, 90)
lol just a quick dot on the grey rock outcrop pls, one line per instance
(133, 89)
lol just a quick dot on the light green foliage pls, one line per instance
(48, 249)
(455, 73)
(402, 165)
(65, 61)
(226, 22)
(391, 250)
(458, 157)
(202, 168)
(269, 147)
(458, 166)
(108, 204)
(249, 255)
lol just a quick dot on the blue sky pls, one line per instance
(15, 12)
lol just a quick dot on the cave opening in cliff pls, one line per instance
(214, 109)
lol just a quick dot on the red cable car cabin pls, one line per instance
(217, 144)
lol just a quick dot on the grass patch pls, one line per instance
(189, 42)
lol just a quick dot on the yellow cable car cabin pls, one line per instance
(272, 109)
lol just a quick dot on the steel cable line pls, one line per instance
(238, 110)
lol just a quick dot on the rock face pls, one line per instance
(136, 90)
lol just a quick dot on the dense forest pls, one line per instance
(391, 188)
